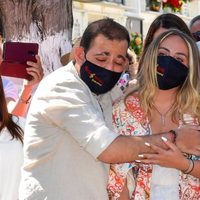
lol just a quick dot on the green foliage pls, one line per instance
(136, 43)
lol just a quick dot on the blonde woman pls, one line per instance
(166, 98)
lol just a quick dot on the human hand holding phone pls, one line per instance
(34, 70)
(15, 57)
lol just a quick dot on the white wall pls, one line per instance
(85, 13)
(88, 12)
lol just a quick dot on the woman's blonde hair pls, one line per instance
(187, 99)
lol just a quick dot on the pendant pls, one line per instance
(163, 120)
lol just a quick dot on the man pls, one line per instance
(195, 29)
(67, 142)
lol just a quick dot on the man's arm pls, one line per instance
(127, 148)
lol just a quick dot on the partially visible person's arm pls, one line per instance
(36, 71)
(20, 107)
(188, 139)
(196, 171)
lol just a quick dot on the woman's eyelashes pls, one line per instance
(162, 54)
(178, 58)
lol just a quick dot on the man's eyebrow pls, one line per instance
(101, 54)
(107, 54)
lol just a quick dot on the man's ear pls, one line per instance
(79, 55)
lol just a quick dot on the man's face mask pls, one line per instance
(98, 79)
(196, 36)
(170, 72)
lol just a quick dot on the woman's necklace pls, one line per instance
(163, 115)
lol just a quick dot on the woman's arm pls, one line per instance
(22, 104)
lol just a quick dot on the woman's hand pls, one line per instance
(35, 70)
(172, 157)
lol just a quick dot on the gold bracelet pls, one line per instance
(25, 101)
(190, 167)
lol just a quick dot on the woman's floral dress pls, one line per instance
(129, 120)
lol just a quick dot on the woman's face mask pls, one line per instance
(170, 72)
(196, 36)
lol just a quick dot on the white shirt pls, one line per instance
(11, 159)
(64, 134)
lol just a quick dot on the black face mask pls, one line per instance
(170, 72)
(196, 36)
(98, 79)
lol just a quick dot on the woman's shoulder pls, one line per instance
(5, 135)
(133, 99)
(129, 102)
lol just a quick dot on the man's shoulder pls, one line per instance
(67, 71)
(61, 75)
(62, 80)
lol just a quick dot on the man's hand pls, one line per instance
(188, 139)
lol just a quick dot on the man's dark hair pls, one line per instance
(197, 18)
(108, 28)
